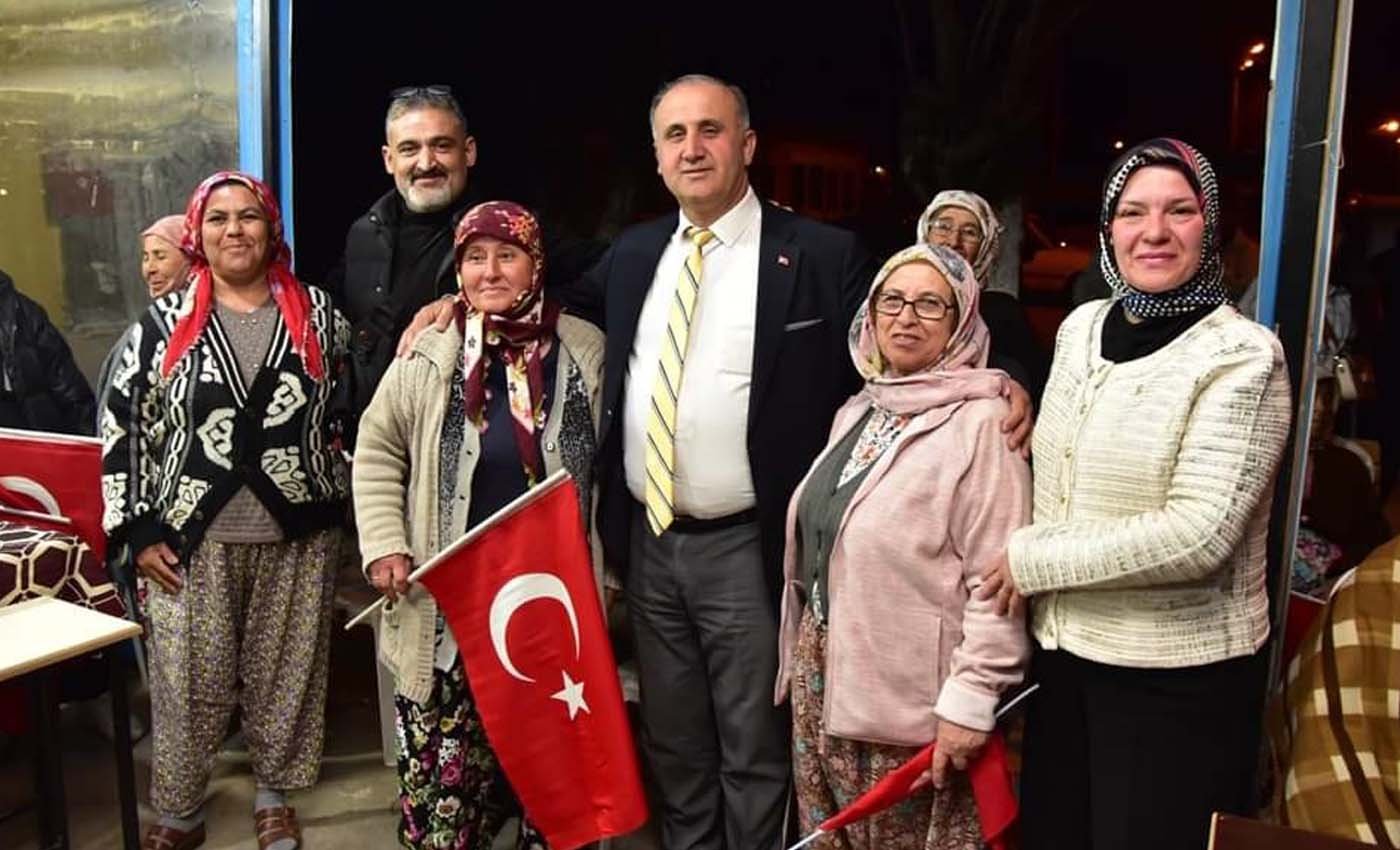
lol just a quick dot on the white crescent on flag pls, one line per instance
(516, 593)
(34, 490)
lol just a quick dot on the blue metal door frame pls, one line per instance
(265, 98)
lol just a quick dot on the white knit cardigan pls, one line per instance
(1153, 480)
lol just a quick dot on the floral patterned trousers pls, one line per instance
(452, 793)
(832, 772)
(250, 626)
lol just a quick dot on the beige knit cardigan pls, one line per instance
(1153, 482)
(396, 478)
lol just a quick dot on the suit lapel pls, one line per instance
(778, 261)
(627, 288)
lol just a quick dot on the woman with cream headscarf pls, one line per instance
(883, 647)
(965, 222)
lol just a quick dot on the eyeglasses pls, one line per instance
(419, 91)
(966, 233)
(925, 307)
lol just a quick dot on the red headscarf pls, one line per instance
(291, 297)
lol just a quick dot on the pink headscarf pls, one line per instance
(959, 373)
(171, 228)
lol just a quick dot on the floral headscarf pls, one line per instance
(1205, 287)
(974, 203)
(289, 294)
(959, 373)
(520, 338)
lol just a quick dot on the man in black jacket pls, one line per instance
(41, 388)
(398, 255)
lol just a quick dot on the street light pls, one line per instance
(1118, 145)
(1255, 49)
(1391, 126)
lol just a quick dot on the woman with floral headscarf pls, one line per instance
(1163, 423)
(965, 222)
(474, 416)
(222, 473)
(883, 647)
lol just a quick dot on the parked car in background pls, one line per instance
(1050, 258)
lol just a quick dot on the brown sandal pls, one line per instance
(276, 823)
(168, 838)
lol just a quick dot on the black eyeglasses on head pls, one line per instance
(419, 91)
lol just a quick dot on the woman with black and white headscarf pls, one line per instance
(1163, 422)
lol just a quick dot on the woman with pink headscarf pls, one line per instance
(165, 269)
(883, 647)
(164, 266)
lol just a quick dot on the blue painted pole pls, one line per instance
(251, 156)
(1302, 158)
(282, 72)
(1277, 149)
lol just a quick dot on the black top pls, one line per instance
(421, 243)
(1013, 342)
(500, 474)
(1124, 340)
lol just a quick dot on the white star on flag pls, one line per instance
(572, 696)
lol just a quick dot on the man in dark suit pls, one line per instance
(726, 358)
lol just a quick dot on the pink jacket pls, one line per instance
(907, 643)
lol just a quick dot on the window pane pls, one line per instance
(110, 113)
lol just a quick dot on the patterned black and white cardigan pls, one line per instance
(176, 449)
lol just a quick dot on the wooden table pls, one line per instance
(35, 635)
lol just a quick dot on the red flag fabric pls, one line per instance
(991, 787)
(53, 482)
(524, 608)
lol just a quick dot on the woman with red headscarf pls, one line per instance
(222, 474)
(474, 416)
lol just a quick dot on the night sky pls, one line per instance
(558, 102)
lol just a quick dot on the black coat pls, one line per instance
(811, 279)
(362, 291)
(42, 389)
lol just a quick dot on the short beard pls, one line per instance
(428, 200)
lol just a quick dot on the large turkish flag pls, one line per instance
(53, 482)
(522, 603)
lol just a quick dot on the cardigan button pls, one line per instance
(549, 446)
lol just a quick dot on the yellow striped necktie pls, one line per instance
(666, 392)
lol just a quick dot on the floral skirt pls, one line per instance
(832, 772)
(452, 793)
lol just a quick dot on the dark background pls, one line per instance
(557, 98)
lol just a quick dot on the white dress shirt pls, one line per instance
(712, 461)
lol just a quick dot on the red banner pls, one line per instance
(524, 608)
(53, 482)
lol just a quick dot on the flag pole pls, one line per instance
(808, 840)
(513, 506)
